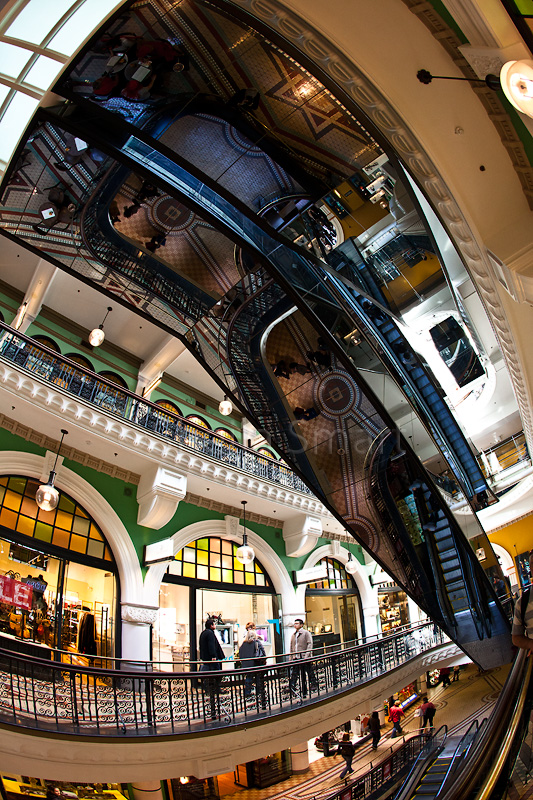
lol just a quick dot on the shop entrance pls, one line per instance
(333, 607)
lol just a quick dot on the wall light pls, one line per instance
(47, 496)
(245, 554)
(97, 335)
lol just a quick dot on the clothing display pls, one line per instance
(87, 635)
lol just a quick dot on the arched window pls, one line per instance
(199, 421)
(169, 406)
(81, 360)
(68, 526)
(214, 560)
(265, 452)
(46, 341)
(226, 434)
(337, 577)
(114, 378)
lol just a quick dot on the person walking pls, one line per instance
(375, 729)
(396, 712)
(444, 675)
(212, 655)
(428, 712)
(253, 654)
(301, 650)
(347, 751)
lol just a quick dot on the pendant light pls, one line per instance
(351, 565)
(47, 496)
(245, 553)
(97, 335)
(225, 407)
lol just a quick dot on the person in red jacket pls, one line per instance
(396, 713)
(428, 712)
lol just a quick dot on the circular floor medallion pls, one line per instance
(169, 214)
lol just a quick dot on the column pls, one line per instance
(300, 757)
(147, 790)
(136, 630)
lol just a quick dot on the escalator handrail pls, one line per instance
(432, 746)
(475, 725)
(488, 754)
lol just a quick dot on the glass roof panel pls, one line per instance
(13, 59)
(80, 25)
(15, 119)
(4, 91)
(43, 73)
(37, 19)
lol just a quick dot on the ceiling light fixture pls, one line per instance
(516, 78)
(351, 565)
(47, 496)
(490, 80)
(245, 554)
(225, 407)
(97, 335)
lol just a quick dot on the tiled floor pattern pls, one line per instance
(472, 697)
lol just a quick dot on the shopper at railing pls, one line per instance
(302, 651)
(212, 656)
(253, 654)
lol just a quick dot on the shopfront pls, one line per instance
(393, 608)
(57, 576)
(205, 580)
(333, 606)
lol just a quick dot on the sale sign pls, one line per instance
(15, 593)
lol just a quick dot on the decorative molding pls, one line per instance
(158, 494)
(301, 534)
(138, 615)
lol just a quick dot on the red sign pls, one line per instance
(15, 593)
(387, 769)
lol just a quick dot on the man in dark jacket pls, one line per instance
(212, 655)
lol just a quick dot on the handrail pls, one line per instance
(76, 380)
(427, 751)
(490, 749)
(89, 700)
(475, 725)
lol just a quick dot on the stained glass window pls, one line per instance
(114, 378)
(68, 526)
(47, 342)
(226, 434)
(337, 578)
(265, 452)
(170, 406)
(213, 559)
(198, 421)
(81, 360)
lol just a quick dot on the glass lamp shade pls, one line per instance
(245, 554)
(516, 78)
(351, 566)
(47, 497)
(225, 407)
(96, 337)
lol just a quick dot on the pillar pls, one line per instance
(137, 624)
(300, 757)
(147, 790)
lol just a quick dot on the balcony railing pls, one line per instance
(68, 698)
(75, 380)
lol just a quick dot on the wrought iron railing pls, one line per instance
(87, 700)
(74, 379)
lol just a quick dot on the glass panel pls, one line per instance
(37, 19)
(25, 526)
(189, 555)
(189, 571)
(88, 610)
(80, 25)
(61, 538)
(81, 526)
(43, 532)
(202, 557)
(171, 642)
(16, 117)
(216, 574)
(13, 59)
(63, 520)
(227, 576)
(12, 500)
(43, 73)
(8, 518)
(238, 578)
(66, 504)
(214, 559)
(202, 573)
(202, 544)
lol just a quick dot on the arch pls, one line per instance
(48, 342)
(114, 377)
(168, 405)
(81, 360)
(366, 593)
(198, 530)
(129, 571)
(507, 561)
(200, 421)
(225, 434)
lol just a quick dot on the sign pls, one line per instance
(318, 573)
(387, 770)
(159, 551)
(36, 584)
(15, 593)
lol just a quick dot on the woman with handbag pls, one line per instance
(252, 654)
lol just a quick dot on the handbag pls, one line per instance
(260, 655)
(419, 712)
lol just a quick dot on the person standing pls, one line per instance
(212, 655)
(428, 712)
(347, 751)
(252, 653)
(444, 675)
(375, 729)
(301, 650)
(396, 712)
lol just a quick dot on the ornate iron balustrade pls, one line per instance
(74, 379)
(67, 698)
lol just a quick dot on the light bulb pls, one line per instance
(225, 407)
(351, 566)
(96, 337)
(245, 554)
(47, 497)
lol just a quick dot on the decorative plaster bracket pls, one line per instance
(301, 534)
(158, 494)
(138, 615)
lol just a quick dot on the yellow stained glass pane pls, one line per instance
(249, 567)
(214, 544)
(25, 525)
(66, 504)
(8, 518)
(202, 544)
(78, 543)
(189, 555)
(250, 579)
(43, 532)
(12, 500)
(258, 568)
(82, 526)
(64, 520)
(95, 533)
(30, 488)
(238, 577)
(238, 566)
(29, 507)
(107, 555)
(214, 559)
(3, 480)
(17, 484)
(202, 573)
(215, 574)
(2, 493)
(202, 557)
(60, 538)
(227, 576)
(81, 513)
(189, 570)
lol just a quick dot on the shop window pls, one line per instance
(199, 421)
(81, 360)
(337, 578)
(113, 377)
(214, 560)
(226, 434)
(46, 341)
(169, 406)
(68, 526)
